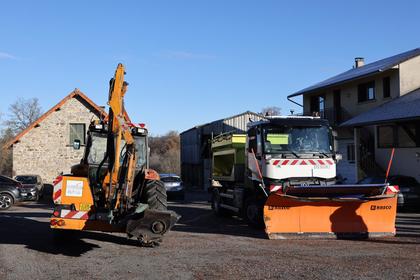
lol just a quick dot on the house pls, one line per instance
(46, 146)
(195, 147)
(373, 107)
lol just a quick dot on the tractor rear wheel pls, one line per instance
(154, 194)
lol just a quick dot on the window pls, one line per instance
(366, 91)
(317, 104)
(385, 136)
(321, 104)
(404, 135)
(77, 132)
(386, 84)
(350, 153)
(252, 136)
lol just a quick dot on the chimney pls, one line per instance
(359, 62)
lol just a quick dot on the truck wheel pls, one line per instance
(253, 213)
(154, 194)
(215, 204)
(6, 201)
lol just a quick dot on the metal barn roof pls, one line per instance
(366, 70)
(406, 107)
(234, 121)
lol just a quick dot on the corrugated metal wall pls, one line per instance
(195, 155)
(239, 123)
(190, 148)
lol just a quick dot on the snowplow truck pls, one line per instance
(281, 176)
(113, 189)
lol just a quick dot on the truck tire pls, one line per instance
(6, 201)
(253, 213)
(215, 204)
(154, 194)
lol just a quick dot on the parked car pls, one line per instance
(173, 185)
(9, 192)
(409, 195)
(32, 186)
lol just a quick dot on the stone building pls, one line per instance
(45, 148)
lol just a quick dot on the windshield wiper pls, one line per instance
(293, 153)
(322, 153)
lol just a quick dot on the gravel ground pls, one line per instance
(201, 246)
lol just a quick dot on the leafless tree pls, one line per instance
(22, 113)
(271, 111)
(5, 152)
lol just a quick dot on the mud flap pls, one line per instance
(149, 226)
(295, 217)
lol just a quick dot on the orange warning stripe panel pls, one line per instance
(287, 215)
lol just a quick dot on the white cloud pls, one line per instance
(185, 55)
(4, 55)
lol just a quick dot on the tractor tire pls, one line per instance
(253, 213)
(154, 194)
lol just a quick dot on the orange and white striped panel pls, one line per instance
(58, 185)
(69, 214)
(278, 162)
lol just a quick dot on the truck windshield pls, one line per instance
(297, 140)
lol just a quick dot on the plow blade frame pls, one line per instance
(290, 217)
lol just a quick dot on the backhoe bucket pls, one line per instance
(331, 216)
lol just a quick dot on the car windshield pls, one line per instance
(170, 179)
(297, 139)
(26, 179)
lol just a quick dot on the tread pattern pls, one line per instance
(154, 195)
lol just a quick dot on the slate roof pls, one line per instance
(363, 71)
(406, 107)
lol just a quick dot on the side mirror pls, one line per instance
(338, 157)
(76, 144)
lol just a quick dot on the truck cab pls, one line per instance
(291, 151)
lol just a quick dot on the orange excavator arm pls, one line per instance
(119, 131)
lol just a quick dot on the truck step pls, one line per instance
(231, 208)
(226, 195)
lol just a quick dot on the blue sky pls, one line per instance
(191, 62)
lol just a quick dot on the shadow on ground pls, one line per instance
(197, 217)
(24, 225)
(31, 228)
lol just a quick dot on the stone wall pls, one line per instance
(46, 150)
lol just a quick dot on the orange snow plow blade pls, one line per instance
(343, 212)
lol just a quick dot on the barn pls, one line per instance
(195, 147)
